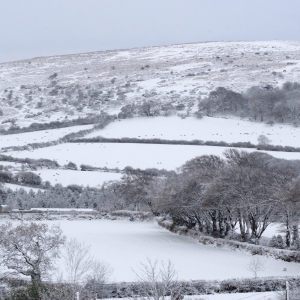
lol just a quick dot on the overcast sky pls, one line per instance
(30, 28)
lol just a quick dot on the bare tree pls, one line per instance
(30, 249)
(77, 260)
(256, 264)
(263, 140)
(294, 109)
(82, 267)
(158, 280)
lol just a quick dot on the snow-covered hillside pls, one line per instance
(49, 88)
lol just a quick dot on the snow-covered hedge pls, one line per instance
(185, 142)
(203, 287)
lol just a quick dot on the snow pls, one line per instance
(124, 245)
(63, 209)
(237, 296)
(41, 136)
(9, 163)
(142, 156)
(171, 63)
(15, 187)
(206, 129)
(86, 178)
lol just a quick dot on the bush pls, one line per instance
(28, 178)
(71, 166)
(296, 245)
(277, 242)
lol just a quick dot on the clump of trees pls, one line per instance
(26, 178)
(248, 190)
(258, 103)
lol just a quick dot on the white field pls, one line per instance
(205, 129)
(15, 187)
(9, 163)
(62, 209)
(41, 136)
(141, 156)
(124, 244)
(67, 177)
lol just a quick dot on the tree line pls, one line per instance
(258, 103)
(210, 194)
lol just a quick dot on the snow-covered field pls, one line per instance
(17, 187)
(141, 156)
(67, 177)
(41, 136)
(124, 244)
(205, 129)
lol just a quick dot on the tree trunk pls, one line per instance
(288, 230)
(36, 277)
(214, 223)
(295, 233)
(221, 225)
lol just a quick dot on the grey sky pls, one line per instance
(30, 28)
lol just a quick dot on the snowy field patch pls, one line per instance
(142, 156)
(205, 129)
(67, 177)
(41, 136)
(15, 187)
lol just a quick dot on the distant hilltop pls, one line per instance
(69, 86)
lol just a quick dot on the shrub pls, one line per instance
(71, 166)
(277, 242)
(296, 245)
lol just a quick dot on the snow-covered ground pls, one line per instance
(62, 209)
(9, 163)
(41, 136)
(124, 245)
(205, 129)
(17, 187)
(141, 156)
(237, 296)
(67, 177)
